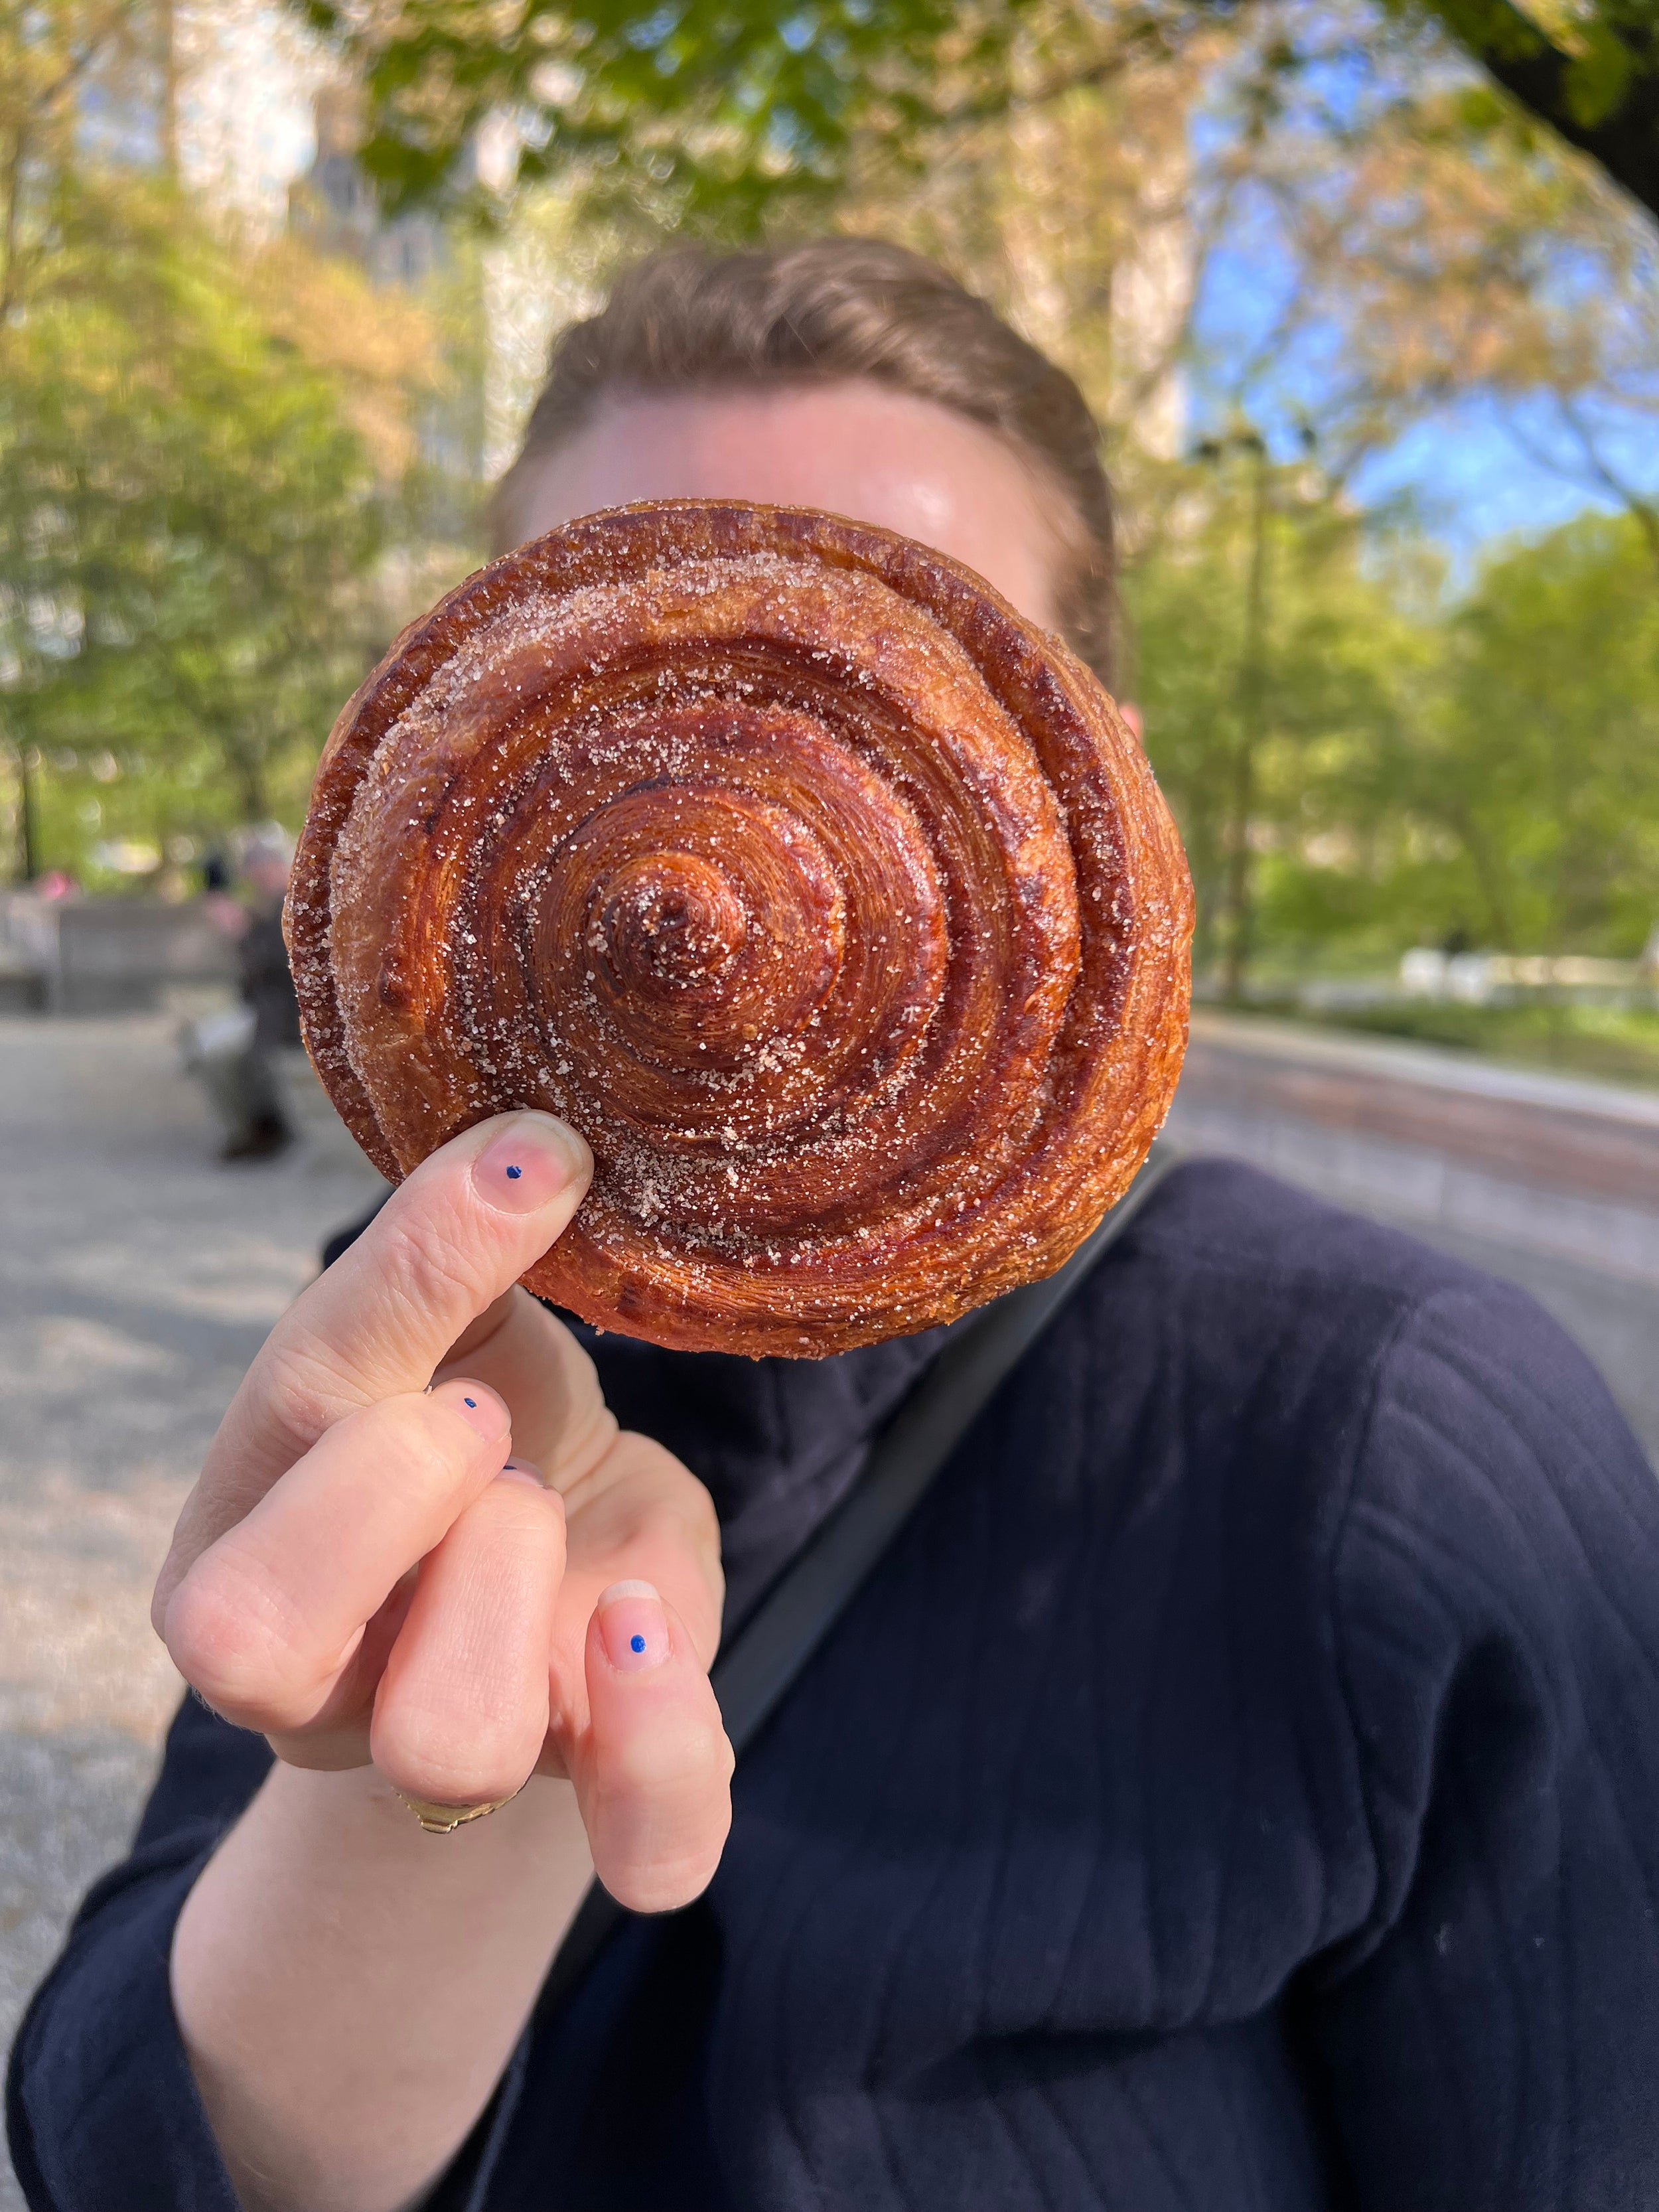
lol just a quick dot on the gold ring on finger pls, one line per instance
(441, 1820)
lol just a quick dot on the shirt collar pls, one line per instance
(777, 1442)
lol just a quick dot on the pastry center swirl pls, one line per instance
(664, 926)
(698, 926)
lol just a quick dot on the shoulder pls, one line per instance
(1263, 1316)
(1454, 1395)
(1413, 1473)
(1255, 1275)
(1217, 1217)
(1431, 1474)
(1494, 1587)
(1422, 1450)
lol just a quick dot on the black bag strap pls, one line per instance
(757, 1671)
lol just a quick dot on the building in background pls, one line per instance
(333, 204)
(250, 114)
(333, 207)
(246, 76)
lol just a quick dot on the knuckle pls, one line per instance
(224, 1637)
(694, 1513)
(430, 1447)
(586, 1437)
(498, 1321)
(304, 1388)
(677, 1519)
(672, 1760)
(429, 1756)
(523, 1516)
(587, 1428)
(427, 1265)
(421, 1433)
(697, 1509)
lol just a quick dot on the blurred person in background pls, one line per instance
(1237, 1790)
(237, 1055)
(267, 982)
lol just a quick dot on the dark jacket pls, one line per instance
(1237, 1791)
(268, 980)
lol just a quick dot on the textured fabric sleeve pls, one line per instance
(1488, 2040)
(102, 2111)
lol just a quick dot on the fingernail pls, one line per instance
(528, 1165)
(632, 1626)
(479, 1407)
(520, 1470)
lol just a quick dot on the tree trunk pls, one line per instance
(26, 859)
(247, 770)
(1240, 901)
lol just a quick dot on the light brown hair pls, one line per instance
(685, 318)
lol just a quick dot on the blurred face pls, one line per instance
(856, 448)
(268, 875)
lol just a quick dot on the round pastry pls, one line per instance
(829, 899)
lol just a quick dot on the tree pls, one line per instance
(1484, 769)
(55, 60)
(737, 106)
(184, 511)
(1280, 674)
(1313, 701)
(1540, 763)
(205, 441)
(1591, 73)
(1425, 252)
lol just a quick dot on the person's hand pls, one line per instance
(358, 1574)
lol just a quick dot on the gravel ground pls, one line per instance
(138, 1279)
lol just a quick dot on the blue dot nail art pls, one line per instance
(513, 1174)
(470, 1401)
(636, 1643)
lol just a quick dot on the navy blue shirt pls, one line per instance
(1236, 1791)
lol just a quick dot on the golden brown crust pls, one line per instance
(829, 899)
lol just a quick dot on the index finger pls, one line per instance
(460, 1232)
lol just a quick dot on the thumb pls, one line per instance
(653, 1774)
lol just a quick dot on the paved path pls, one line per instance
(138, 1279)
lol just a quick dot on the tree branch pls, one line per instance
(1643, 510)
(1514, 51)
(11, 184)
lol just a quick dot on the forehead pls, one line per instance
(854, 447)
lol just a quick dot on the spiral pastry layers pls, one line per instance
(832, 901)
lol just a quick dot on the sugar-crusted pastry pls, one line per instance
(829, 899)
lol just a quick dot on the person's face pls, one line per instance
(856, 448)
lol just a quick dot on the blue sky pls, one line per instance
(1467, 474)
(1473, 481)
